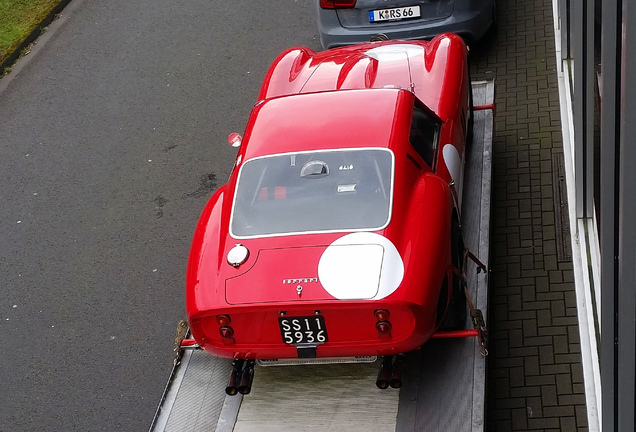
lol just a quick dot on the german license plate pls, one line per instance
(394, 14)
(309, 330)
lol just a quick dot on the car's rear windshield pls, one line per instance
(333, 190)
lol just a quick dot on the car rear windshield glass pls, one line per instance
(335, 190)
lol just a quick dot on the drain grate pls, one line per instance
(562, 221)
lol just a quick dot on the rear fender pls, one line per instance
(423, 235)
(206, 255)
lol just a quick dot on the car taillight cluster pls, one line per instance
(383, 325)
(337, 4)
(226, 332)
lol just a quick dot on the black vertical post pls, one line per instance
(582, 39)
(626, 363)
(564, 26)
(618, 215)
(611, 43)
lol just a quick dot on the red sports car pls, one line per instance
(337, 233)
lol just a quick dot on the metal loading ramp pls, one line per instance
(444, 383)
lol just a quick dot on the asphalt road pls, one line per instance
(112, 137)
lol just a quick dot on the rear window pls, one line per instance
(334, 190)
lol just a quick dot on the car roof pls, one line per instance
(328, 120)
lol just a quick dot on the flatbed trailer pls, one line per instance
(444, 382)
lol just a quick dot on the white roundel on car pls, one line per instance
(394, 52)
(454, 164)
(361, 266)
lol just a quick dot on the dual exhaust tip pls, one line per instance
(241, 377)
(390, 373)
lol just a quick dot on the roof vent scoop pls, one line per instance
(314, 169)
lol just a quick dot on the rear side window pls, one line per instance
(424, 135)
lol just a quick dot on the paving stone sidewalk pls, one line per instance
(535, 374)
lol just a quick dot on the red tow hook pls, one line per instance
(189, 343)
(455, 334)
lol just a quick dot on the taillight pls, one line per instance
(337, 4)
(226, 332)
(223, 320)
(384, 329)
(381, 314)
(383, 326)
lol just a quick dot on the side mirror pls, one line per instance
(234, 139)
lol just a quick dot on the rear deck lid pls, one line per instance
(291, 274)
(356, 266)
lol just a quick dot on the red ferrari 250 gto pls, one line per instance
(337, 233)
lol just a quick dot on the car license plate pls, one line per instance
(394, 14)
(309, 330)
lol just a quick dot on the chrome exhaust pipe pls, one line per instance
(232, 385)
(385, 373)
(396, 374)
(245, 387)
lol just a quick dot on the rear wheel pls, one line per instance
(455, 318)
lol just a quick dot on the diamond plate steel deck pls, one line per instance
(444, 373)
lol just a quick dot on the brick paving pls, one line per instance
(535, 378)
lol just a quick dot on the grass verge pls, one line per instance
(18, 18)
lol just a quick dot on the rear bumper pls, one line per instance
(471, 25)
(327, 350)
(351, 330)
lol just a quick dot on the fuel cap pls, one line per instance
(237, 255)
